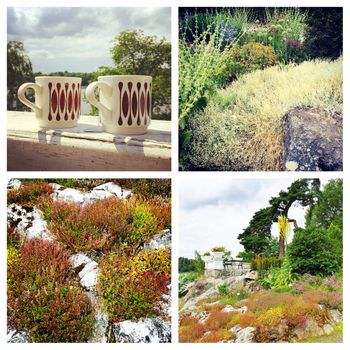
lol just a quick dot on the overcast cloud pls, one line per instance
(213, 213)
(79, 38)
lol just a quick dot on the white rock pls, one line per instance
(88, 275)
(95, 195)
(17, 337)
(13, 183)
(70, 195)
(228, 308)
(159, 241)
(115, 189)
(335, 315)
(55, 186)
(38, 228)
(79, 259)
(148, 330)
(235, 329)
(245, 335)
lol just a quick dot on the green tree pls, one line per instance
(199, 264)
(313, 251)
(133, 52)
(186, 265)
(19, 71)
(256, 237)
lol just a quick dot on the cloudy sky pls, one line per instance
(213, 213)
(78, 39)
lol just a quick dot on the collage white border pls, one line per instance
(174, 174)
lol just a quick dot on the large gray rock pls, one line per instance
(38, 228)
(13, 183)
(69, 195)
(159, 241)
(335, 316)
(313, 140)
(148, 330)
(17, 337)
(245, 335)
(79, 260)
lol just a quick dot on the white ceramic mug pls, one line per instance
(57, 101)
(125, 103)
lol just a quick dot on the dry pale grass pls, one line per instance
(241, 128)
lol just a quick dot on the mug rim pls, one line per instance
(55, 77)
(124, 76)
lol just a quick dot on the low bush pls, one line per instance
(14, 238)
(147, 187)
(247, 58)
(105, 224)
(221, 335)
(28, 194)
(234, 296)
(190, 329)
(242, 126)
(279, 277)
(218, 320)
(131, 287)
(223, 289)
(42, 300)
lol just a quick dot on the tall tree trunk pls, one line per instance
(282, 248)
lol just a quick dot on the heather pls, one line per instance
(82, 260)
(286, 285)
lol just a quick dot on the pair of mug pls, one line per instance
(124, 105)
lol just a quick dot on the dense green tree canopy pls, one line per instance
(256, 237)
(19, 71)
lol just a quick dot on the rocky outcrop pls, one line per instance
(148, 330)
(159, 241)
(13, 183)
(28, 221)
(243, 335)
(17, 337)
(107, 190)
(313, 140)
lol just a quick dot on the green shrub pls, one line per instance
(284, 30)
(28, 194)
(131, 287)
(42, 299)
(223, 289)
(279, 277)
(263, 263)
(249, 57)
(312, 251)
(147, 187)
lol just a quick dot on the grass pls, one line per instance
(241, 128)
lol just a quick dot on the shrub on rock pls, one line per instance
(28, 194)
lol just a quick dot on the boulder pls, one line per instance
(115, 189)
(96, 195)
(335, 316)
(245, 335)
(327, 329)
(14, 183)
(313, 140)
(17, 337)
(88, 275)
(311, 328)
(78, 261)
(251, 275)
(159, 241)
(148, 330)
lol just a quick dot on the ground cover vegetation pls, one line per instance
(45, 298)
(298, 288)
(241, 70)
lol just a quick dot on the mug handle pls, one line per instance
(90, 95)
(22, 96)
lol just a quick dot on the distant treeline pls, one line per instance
(86, 78)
